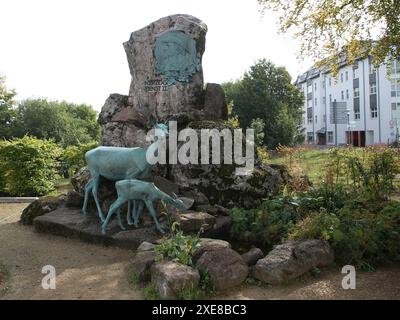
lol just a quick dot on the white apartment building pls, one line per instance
(369, 97)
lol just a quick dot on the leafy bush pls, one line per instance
(29, 166)
(360, 233)
(274, 218)
(180, 248)
(368, 171)
(73, 158)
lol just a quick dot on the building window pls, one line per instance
(341, 77)
(315, 102)
(330, 99)
(323, 84)
(330, 81)
(395, 67)
(347, 94)
(395, 87)
(324, 118)
(315, 86)
(357, 115)
(342, 93)
(316, 119)
(356, 92)
(372, 69)
(324, 101)
(374, 111)
(310, 137)
(396, 112)
(309, 115)
(330, 136)
(372, 88)
(347, 76)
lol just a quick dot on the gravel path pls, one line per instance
(86, 271)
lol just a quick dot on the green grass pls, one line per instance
(313, 161)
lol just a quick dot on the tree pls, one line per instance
(266, 92)
(332, 30)
(66, 123)
(7, 113)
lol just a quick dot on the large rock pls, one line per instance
(152, 92)
(121, 125)
(171, 278)
(40, 207)
(71, 223)
(252, 256)
(223, 186)
(292, 259)
(141, 265)
(194, 221)
(225, 267)
(209, 244)
(215, 106)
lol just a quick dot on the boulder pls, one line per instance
(292, 259)
(156, 89)
(221, 185)
(80, 179)
(171, 278)
(221, 228)
(141, 265)
(225, 267)
(208, 244)
(74, 199)
(193, 221)
(38, 208)
(252, 256)
(145, 246)
(215, 106)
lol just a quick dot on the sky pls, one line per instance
(72, 49)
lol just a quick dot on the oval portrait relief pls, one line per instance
(176, 57)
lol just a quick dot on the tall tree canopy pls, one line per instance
(66, 123)
(7, 114)
(328, 28)
(266, 93)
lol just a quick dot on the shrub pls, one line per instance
(73, 158)
(29, 166)
(180, 248)
(369, 171)
(360, 234)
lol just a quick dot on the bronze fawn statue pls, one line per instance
(141, 193)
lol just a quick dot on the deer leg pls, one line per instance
(139, 210)
(149, 205)
(95, 189)
(119, 202)
(119, 219)
(129, 213)
(88, 189)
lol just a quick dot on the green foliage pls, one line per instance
(29, 166)
(362, 234)
(190, 294)
(73, 157)
(66, 123)
(151, 292)
(180, 248)
(341, 29)
(206, 285)
(7, 113)
(368, 171)
(266, 93)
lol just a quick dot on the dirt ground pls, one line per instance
(86, 271)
